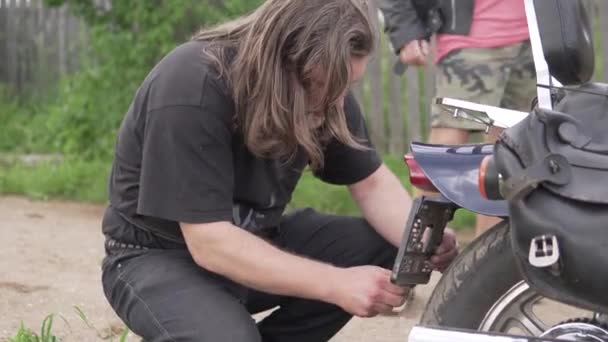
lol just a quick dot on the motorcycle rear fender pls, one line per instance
(454, 171)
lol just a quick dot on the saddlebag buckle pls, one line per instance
(544, 251)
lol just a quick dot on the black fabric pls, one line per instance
(570, 203)
(188, 303)
(343, 165)
(576, 130)
(407, 20)
(179, 159)
(567, 39)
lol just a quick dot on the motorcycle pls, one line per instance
(497, 290)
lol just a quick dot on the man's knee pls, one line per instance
(200, 307)
(369, 247)
(448, 136)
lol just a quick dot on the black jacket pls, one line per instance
(407, 20)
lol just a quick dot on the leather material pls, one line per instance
(570, 204)
(584, 111)
(567, 40)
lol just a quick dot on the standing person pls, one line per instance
(483, 55)
(206, 160)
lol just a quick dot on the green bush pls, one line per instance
(19, 127)
(336, 199)
(83, 114)
(12, 120)
(125, 42)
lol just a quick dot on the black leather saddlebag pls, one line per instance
(554, 168)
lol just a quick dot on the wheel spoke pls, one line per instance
(531, 324)
(515, 311)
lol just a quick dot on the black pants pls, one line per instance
(162, 295)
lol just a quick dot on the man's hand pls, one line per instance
(366, 291)
(446, 252)
(415, 52)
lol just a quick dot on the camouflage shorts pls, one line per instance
(503, 77)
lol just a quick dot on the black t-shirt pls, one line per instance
(178, 158)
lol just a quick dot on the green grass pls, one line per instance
(26, 335)
(311, 192)
(46, 335)
(86, 181)
(73, 179)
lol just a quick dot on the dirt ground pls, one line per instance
(50, 263)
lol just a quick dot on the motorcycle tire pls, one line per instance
(483, 272)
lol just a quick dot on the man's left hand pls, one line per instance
(446, 252)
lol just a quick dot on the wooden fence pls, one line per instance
(38, 45)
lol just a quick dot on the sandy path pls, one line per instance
(49, 263)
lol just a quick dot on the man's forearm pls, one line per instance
(385, 203)
(246, 259)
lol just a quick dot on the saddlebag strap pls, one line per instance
(553, 169)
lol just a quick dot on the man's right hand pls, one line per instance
(415, 52)
(367, 291)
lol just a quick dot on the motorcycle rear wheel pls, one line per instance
(483, 290)
(483, 272)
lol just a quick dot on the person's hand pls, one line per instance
(446, 252)
(415, 52)
(367, 291)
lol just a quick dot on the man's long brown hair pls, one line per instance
(278, 48)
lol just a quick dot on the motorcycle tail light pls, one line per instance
(489, 179)
(417, 177)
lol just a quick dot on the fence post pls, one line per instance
(375, 78)
(41, 46)
(73, 39)
(62, 52)
(38, 44)
(396, 136)
(413, 104)
(429, 91)
(3, 41)
(11, 46)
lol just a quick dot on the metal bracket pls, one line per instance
(499, 117)
(553, 169)
(543, 74)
